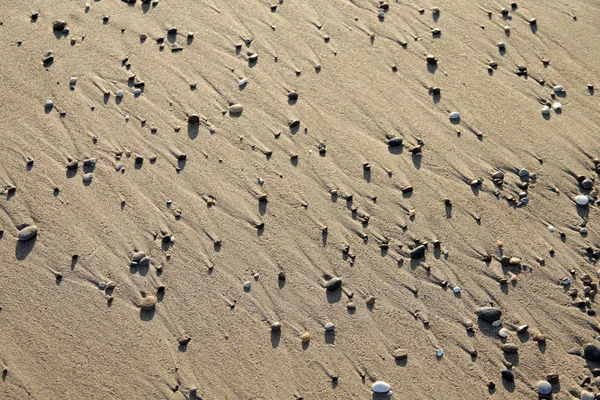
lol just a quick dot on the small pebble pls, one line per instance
(380, 387)
(544, 387)
(503, 333)
(581, 200)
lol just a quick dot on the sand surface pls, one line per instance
(337, 202)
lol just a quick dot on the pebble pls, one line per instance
(370, 301)
(585, 395)
(381, 387)
(559, 89)
(544, 387)
(551, 228)
(546, 110)
(236, 109)
(510, 348)
(418, 252)
(439, 353)
(243, 82)
(456, 290)
(587, 184)
(334, 284)
(489, 314)
(138, 256)
(247, 285)
(522, 328)
(454, 115)
(48, 104)
(329, 327)
(523, 173)
(119, 93)
(293, 95)
(400, 354)
(591, 352)
(497, 323)
(503, 333)
(102, 285)
(583, 231)
(276, 327)
(581, 199)
(148, 303)
(27, 233)
(305, 337)
(88, 177)
(394, 142)
(72, 81)
(557, 106)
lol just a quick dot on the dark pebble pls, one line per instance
(489, 314)
(591, 352)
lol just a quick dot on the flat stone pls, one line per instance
(400, 354)
(454, 115)
(381, 387)
(27, 233)
(489, 314)
(138, 256)
(148, 303)
(396, 141)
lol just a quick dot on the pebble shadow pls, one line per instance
(24, 248)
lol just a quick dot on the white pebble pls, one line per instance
(440, 353)
(119, 93)
(243, 82)
(454, 115)
(247, 285)
(581, 200)
(73, 81)
(545, 110)
(557, 106)
(381, 387)
(503, 333)
(559, 88)
(48, 104)
(456, 289)
(137, 91)
(102, 285)
(551, 228)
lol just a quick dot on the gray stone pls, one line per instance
(489, 314)
(591, 352)
(27, 233)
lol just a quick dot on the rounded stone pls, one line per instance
(503, 333)
(523, 173)
(581, 200)
(381, 387)
(329, 327)
(559, 88)
(591, 352)
(247, 285)
(497, 323)
(102, 285)
(276, 327)
(138, 256)
(489, 314)
(454, 115)
(508, 375)
(236, 109)
(27, 233)
(456, 290)
(585, 395)
(551, 228)
(305, 338)
(557, 106)
(148, 303)
(334, 284)
(119, 93)
(544, 387)
(545, 110)
(439, 353)
(400, 354)
(587, 184)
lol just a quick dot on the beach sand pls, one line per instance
(159, 275)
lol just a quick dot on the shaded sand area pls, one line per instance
(211, 181)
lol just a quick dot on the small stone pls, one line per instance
(394, 142)
(400, 354)
(276, 327)
(456, 290)
(236, 109)
(439, 353)
(503, 333)
(551, 228)
(544, 387)
(370, 301)
(27, 233)
(489, 314)
(417, 252)
(380, 387)
(557, 106)
(334, 284)
(247, 285)
(585, 395)
(293, 95)
(497, 323)
(138, 256)
(546, 110)
(454, 116)
(148, 303)
(587, 184)
(351, 306)
(305, 337)
(48, 104)
(510, 348)
(119, 93)
(102, 285)
(591, 352)
(502, 46)
(559, 89)
(329, 327)
(183, 340)
(281, 276)
(522, 329)
(59, 25)
(581, 200)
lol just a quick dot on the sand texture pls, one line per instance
(247, 199)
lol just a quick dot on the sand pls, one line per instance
(210, 167)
